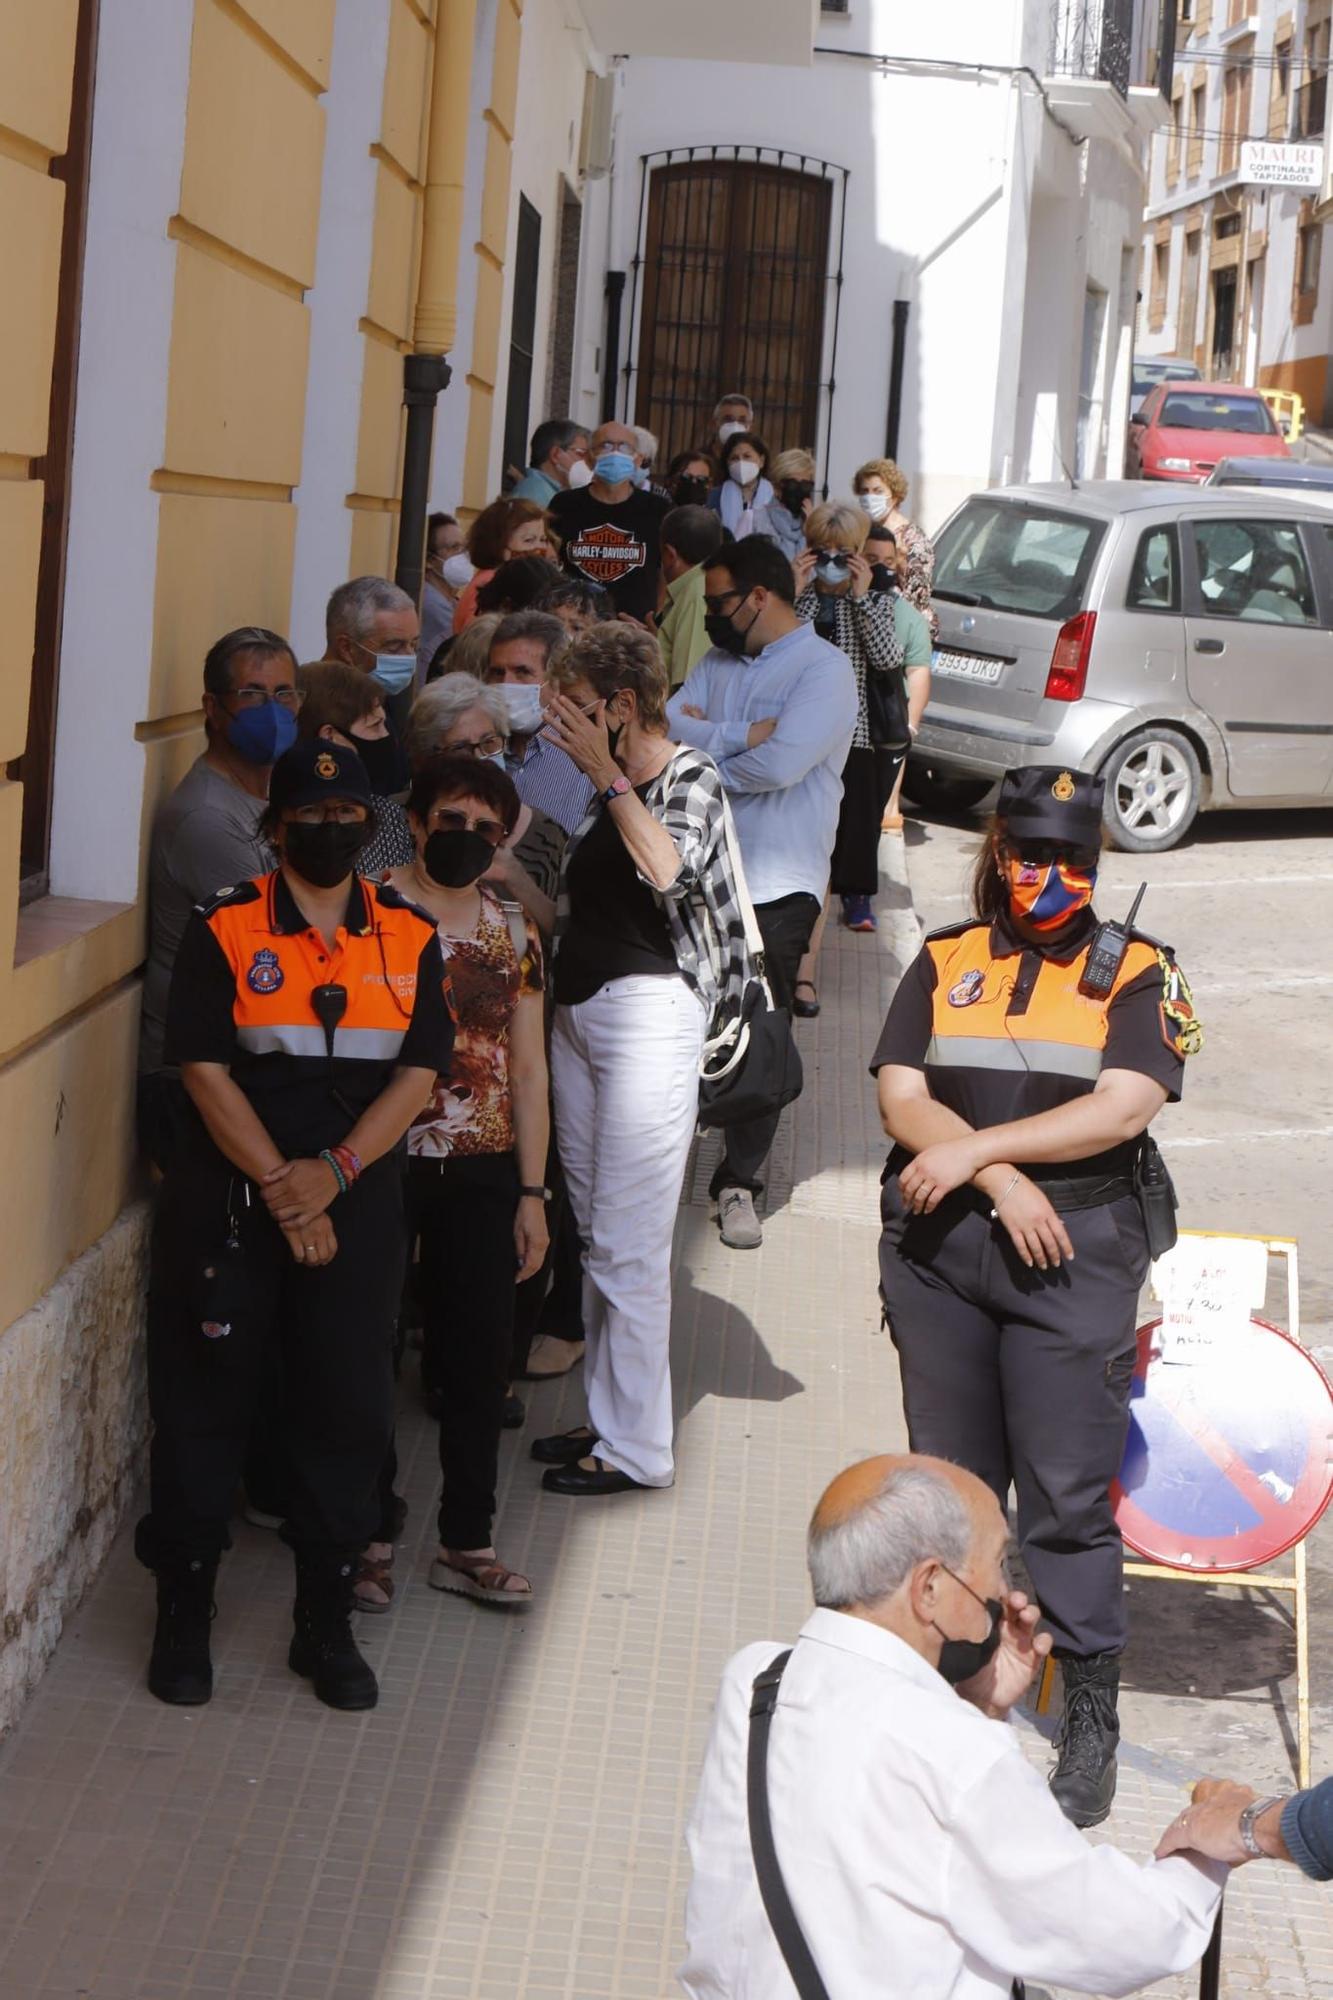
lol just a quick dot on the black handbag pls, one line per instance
(750, 1066)
(886, 708)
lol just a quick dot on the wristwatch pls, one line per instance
(1248, 1838)
(536, 1193)
(616, 790)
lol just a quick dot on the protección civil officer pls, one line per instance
(1014, 1247)
(309, 1017)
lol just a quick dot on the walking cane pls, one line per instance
(1210, 1965)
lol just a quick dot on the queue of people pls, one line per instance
(441, 922)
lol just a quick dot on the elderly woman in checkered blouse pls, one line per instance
(643, 956)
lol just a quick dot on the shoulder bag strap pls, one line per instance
(753, 935)
(772, 1888)
(518, 930)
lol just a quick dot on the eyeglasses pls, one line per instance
(252, 697)
(342, 812)
(713, 605)
(485, 746)
(448, 819)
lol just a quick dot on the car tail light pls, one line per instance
(1068, 672)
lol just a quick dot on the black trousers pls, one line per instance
(1024, 1377)
(867, 782)
(785, 926)
(462, 1210)
(331, 1329)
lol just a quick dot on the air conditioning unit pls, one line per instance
(599, 104)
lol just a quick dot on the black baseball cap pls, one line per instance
(1047, 802)
(314, 770)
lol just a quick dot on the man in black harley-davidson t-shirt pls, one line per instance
(610, 529)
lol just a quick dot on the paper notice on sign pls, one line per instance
(1208, 1287)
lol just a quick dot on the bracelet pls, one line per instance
(1005, 1196)
(330, 1160)
(536, 1193)
(1245, 1827)
(349, 1161)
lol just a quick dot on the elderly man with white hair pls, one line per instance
(372, 624)
(917, 1849)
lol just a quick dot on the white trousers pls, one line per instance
(625, 1077)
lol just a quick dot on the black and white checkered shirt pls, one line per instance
(864, 630)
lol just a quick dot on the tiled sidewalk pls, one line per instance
(508, 1821)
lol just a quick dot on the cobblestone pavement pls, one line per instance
(509, 1820)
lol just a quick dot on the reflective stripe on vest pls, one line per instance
(291, 1039)
(984, 1052)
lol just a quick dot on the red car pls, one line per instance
(1185, 428)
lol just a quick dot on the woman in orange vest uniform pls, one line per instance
(309, 1017)
(1014, 1246)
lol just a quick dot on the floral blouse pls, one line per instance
(471, 1108)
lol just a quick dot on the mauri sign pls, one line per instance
(1266, 164)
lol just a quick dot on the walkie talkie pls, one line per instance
(1107, 951)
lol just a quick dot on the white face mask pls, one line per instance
(523, 699)
(874, 504)
(580, 474)
(725, 431)
(743, 471)
(458, 571)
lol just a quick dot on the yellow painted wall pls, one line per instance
(484, 364)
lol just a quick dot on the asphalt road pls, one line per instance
(1247, 905)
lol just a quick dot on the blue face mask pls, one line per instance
(615, 467)
(260, 735)
(393, 671)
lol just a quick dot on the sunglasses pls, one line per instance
(446, 819)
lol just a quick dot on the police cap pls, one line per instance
(1047, 802)
(314, 770)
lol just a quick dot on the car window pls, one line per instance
(1254, 570)
(1214, 410)
(1012, 558)
(1154, 581)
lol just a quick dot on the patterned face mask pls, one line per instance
(1047, 894)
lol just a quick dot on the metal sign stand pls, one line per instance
(1247, 1579)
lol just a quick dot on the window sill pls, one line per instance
(53, 921)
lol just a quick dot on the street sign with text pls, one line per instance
(1265, 163)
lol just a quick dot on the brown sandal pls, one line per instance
(376, 1572)
(484, 1578)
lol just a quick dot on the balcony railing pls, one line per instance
(1309, 106)
(1094, 39)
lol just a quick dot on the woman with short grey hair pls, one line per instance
(465, 716)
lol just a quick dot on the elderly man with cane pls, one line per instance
(867, 1821)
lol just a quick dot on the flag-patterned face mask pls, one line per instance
(1046, 894)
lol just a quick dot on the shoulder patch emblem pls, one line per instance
(969, 988)
(1181, 1027)
(265, 974)
(1063, 788)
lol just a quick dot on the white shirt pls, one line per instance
(785, 793)
(922, 1853)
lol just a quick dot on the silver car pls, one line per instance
(1177, 640)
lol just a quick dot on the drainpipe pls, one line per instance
(435, 324)
(897, 356)
(615, 292)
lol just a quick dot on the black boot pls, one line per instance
(180, 1670)
(322, 1647)
(1083, 1781)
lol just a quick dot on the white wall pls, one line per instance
(129, 276)
(337, 302)
(446, 482)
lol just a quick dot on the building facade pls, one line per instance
(1233, 274)
(227, 223)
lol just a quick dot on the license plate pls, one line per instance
(965, 667)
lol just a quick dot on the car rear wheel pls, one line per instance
(1153, 788)
(927, 786)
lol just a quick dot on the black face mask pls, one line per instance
(386, 765)
(324, 855)
(961, 1658)
(456, 856)
(690, 491)
(724, 635)
(795, 492)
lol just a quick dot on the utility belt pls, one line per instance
(1136, 1169)
(1066, 1193)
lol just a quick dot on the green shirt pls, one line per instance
(913, 634)
(683, 639)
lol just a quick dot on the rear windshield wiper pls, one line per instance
(957, 596)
